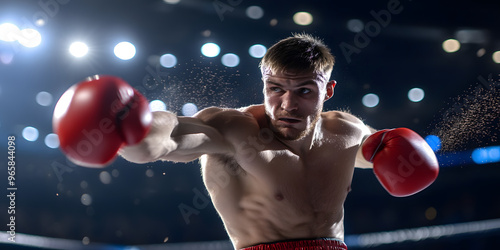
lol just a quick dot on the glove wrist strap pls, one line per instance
(378, 147)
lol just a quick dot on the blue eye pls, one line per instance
(275, 89)
(305, 91)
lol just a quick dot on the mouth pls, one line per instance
(289, 120)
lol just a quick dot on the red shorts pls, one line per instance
(313, 244)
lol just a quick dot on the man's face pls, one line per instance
(294, 102)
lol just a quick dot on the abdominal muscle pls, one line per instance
(282, 201)
(265, 220)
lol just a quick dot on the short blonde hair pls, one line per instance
(300, 52)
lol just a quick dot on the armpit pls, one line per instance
(231, 166)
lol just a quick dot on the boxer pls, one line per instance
(288, 164)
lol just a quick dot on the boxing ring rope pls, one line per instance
(421, 233)
(367, 240)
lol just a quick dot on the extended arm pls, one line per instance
(178, 139)
(103, 115)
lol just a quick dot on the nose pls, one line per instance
(289, 101)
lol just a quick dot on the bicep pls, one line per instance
(194, 138)
(211, 131)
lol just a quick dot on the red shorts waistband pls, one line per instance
(310, 244)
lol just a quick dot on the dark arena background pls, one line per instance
(432, 66)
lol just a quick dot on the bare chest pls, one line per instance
(279, 194)
(318, 180)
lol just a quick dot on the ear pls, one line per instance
(329, 89)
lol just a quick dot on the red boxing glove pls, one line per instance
(402, 161)
(94, 118)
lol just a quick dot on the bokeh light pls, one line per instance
(6, 57)
(355, 25)
(44, 98)
(416, 94)
(230, 60)
(105, 177)
(494, 154)
(451, 45)
(434, 142)
(157, 105)
(85, 240)
(51, 140)
(40, 22)
(206, 33)
(480, 52)
(496, 56)
(168, 60)
(303, 18)
(430, 213)
(29, 38)
(86, 199)
(125, 50)
(273, 22)
(9, 32)
(486, 155)
(189, 109)
(210, 49)
(78, 49)
(370, 100)
(257, 50)
(480, 156)
(255, 12)
(30, 133)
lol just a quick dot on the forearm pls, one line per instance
(193, 138)
(158, 141)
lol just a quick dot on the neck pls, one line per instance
(304, 144)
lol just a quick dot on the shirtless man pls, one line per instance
(288, 165)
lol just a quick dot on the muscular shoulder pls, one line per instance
(228, 120)
(341, 115)
(345, 123)
(223, 114)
